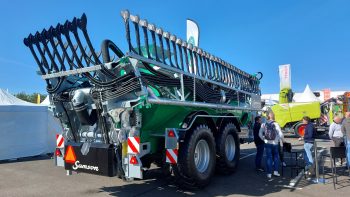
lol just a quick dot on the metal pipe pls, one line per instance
(42, 38)
(191, 66)
(316, 162)
(210, 72)
(179, 45)
(166, 35)
(159, 31)
(73, 29)
(29, 44)
(214, 70)
(200, 62)
(49, 36)
(135, 20)
(152, 29)
(206, 65)
(42, 55)
(182, 87)
(144, 25)
(64, 49)
(173, 42)
(131, 55)
(81, 23)
(126, 15)
(196, 104)
(196, 62)
(184, 47)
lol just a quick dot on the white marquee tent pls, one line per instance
(26, 129)
(306, 96)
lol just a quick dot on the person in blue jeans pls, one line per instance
(259, 144)
(270, 132)
(346, 131)
(309, 140)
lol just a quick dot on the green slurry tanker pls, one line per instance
(164, 102)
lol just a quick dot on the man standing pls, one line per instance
(259, 143)
(309, 140)
(336, 134)
(346, 132)
(270, 132)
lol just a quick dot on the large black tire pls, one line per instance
(227, 140)
(188, 173)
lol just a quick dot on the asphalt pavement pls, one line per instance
(39, 177)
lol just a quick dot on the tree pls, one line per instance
(32, 98)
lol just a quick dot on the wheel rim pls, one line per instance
(202, 155)
(301, 130)
(230, 147)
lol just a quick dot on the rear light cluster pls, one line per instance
(133, 160)
(58, 152)
(171, 133)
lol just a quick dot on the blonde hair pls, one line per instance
(271, 116)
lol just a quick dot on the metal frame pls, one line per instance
(164, 66)
(187, 57)
(197, 104)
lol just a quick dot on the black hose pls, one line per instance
(105, 46)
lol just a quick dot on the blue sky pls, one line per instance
(311, 35)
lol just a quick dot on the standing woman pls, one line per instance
(335, 133)
(271, 133)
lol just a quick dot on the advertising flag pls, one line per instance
(192, 32)
(285, 76)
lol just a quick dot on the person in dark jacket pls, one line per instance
(346, 132)
(309, 140)
(259, 143)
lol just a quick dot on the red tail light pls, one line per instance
(133, 160)
(171, 133)
(58, 152)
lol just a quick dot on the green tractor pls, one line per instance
(164, 102)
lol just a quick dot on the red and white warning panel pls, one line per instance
(171, 156)
(134, 145)
(59, 141)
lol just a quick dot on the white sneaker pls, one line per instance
(284, 164)
(275, 173)
(269, 176)
(338, 163)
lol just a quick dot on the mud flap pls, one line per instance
(100, 159)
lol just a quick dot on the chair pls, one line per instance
(293, 163)
(337, 153)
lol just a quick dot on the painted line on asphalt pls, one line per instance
(296, 180)
(292, 187)
(247, 156)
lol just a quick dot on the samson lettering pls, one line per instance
(87, 167)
